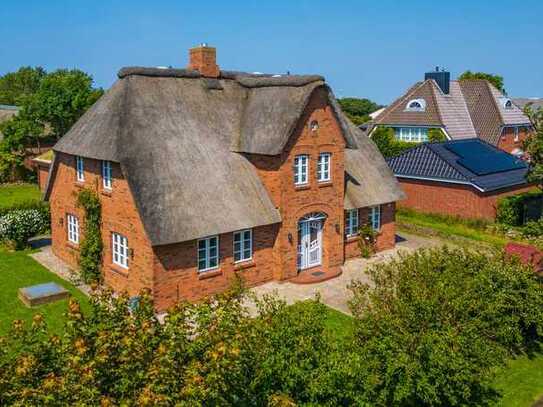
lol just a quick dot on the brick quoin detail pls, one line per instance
(170, 271)
(453, 199)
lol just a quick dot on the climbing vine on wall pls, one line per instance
(90, 256)
(367, 240)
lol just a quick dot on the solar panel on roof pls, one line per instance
(483, 160)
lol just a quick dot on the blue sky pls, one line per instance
(373, 49)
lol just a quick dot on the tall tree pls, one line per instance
(358, 110)
(495, 80)
(533, 146)
(14, 86)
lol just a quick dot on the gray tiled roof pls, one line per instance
(435, 161)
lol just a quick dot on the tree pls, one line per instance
(386, 142)
(533, 146)
(433, 326)
(14, 86)
(495, 80)
(358, 110)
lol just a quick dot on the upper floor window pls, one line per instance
(314, 125)
(323, 167)
(243, 245)
(374, 217)
(119, 246)
(73, 228)
(106, 174)
(507, 103)
(411, 134)
(301, 166)
(80, 173)
(416, 105)
(208, 253)
(351, 222)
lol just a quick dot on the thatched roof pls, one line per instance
(177, 137)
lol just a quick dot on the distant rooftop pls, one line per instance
(472, 162)
(8, 107)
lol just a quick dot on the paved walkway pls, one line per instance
(334, 292)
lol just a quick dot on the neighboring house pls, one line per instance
(459, 178)
(461, 109)
(534, 103)
(203, 174)
(6, 113)
(42, 164)
(374, 115)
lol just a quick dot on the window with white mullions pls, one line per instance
(374, 217)
(301, 166)
(106, 174)
(243, 245)
(73, 229)
(119, 250)
(79, 165)
(323, 167)
(351, 222)
(208, 253)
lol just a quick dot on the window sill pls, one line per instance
(324, 184)
(106, 192)
(351, 238)
(80, 184)
(118, 270)
(72, 245)
(242, 265)
(203, 275)
(302, 187)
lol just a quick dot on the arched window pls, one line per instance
(507, 103)
(313, 216)
(416, 105)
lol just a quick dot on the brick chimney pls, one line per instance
(204, 59)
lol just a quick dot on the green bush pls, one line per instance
(17, 226)
(27, 204)
(436, 136)
(386, 142)
(434, 326)
(90, 253)
(533, 229)
(511, 209)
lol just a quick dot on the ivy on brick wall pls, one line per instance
(90, 256)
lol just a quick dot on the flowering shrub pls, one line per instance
(367, 241)
(18, 226)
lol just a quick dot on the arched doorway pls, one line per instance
(310, 240)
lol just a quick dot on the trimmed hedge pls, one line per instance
(17, 226)
(511, 209)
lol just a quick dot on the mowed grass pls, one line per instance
(13, 194)
(18, 269)
(520, 383)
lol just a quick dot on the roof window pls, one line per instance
(416, 105)
(507, 103)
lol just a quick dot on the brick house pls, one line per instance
(463, 178)
(461, 109)
(204, 174)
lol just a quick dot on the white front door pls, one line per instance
(309, 243)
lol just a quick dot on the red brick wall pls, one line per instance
(507, 140)
(295, 202)
(453, 199)
(119, 214)
(42, 171)
(176, 269)
(386, 239)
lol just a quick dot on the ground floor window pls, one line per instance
(374, 217)
(351, 222)
(243, 245)
(411, 134)
(119, 245)
(208, 253)
(73, 229)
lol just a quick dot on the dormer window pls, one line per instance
(314, 125)
(416, 105)
(507, 104)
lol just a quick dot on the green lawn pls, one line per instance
(18, 269)
(520, 383)
(448, 227)
(12, 194)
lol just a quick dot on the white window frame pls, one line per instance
(324, 166)
(73, 228)
(244, 245)
(351, 222)
(374, 217)
(301, 169)
(412, 108)
(205, 254)
(79, 168)
(119, 250)
(106, 175)
(411, 134)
